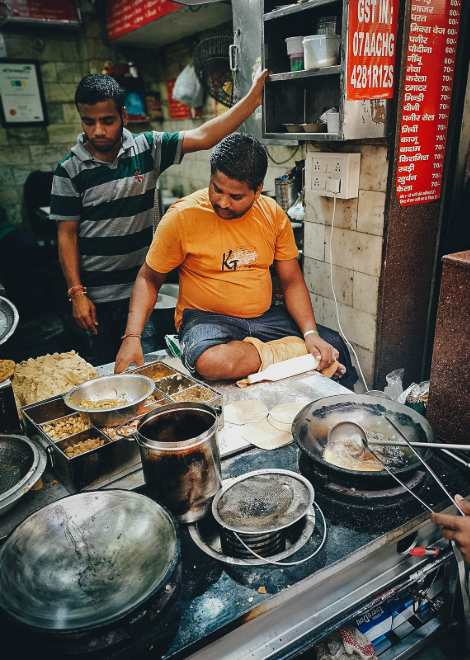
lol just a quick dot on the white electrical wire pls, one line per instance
(341, 331)
(289, 563)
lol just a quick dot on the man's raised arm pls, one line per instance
(213, 131)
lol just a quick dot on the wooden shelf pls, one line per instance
(305, 73)
(296, 8)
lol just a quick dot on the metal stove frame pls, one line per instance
(292, 621)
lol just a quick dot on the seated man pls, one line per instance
(223, 240)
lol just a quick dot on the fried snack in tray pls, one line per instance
(7, 369)
(123, 431)
(174, 384)
(102, 404)
(65, 426)
(82, 446)
(157, 371)
(49, 375)
(196, 393)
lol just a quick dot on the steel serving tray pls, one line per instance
(178, 387)
(119, 456)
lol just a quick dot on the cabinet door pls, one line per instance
(246, 55)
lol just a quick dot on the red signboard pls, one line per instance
(427, 94)
(372, 35)
(124, 16)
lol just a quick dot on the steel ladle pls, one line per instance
(350, 429)
(358, 442)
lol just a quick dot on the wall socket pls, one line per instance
(334, 174)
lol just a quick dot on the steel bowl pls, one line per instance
(134, 388)
(86, 561)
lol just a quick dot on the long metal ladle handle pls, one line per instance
(425, 464)
(427, 445)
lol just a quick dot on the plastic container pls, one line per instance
(320, 51)
(326, 25)
(332, 122)
(296, 61)
(294, 45)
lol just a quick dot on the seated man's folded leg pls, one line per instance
(212, 347)
(277, 350)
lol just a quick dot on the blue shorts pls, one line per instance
(202, 330)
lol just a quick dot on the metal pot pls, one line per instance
(180, 458)
(312, 424)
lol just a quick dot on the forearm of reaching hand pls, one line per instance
(296, 295)
(143, 299)
(144, 296)
(299, 306)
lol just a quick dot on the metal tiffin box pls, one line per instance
(59, 431)
(177, 387)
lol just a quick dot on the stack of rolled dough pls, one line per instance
(262, 428)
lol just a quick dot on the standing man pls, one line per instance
(224, 240)
(103, 199)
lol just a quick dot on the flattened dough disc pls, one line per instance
(265, 436)
(286, 412)
(245, 411)
(279, 425)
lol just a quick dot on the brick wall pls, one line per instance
(64, 57)
(357, 252)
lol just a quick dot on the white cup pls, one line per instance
(332, 122)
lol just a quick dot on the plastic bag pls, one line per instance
(188, 89)
(416, 396)
(297, 211)
(394, 387)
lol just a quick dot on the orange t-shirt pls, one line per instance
(223, 264)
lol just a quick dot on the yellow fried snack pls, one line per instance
(7, 369)
(49, 375)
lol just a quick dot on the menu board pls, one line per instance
(49, 11)
(427, 95)
(372, 36)
(124, 16)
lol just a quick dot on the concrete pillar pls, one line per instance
(449, 394)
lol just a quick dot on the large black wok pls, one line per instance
(89, 570)
(312, 424)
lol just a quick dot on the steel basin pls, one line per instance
(135, 388)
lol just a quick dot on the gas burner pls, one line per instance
(365, 508)
(206, 535)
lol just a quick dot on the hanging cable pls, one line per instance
(283, 162)
(341, 331)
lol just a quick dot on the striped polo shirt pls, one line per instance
(113, 204)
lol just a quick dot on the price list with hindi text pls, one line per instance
(427, 95)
